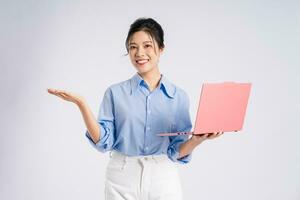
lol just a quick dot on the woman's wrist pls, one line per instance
(196, 140)
(80, 102)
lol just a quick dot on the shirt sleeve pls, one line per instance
(182, 124)
(105, 119)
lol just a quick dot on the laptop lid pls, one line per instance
(222, 107)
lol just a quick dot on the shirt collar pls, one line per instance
(167, 87)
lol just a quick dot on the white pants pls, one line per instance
(152, 177)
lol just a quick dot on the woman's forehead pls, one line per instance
(140, 37)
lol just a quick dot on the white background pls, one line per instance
(78, 46)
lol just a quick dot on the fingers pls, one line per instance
(62, 95)
(214, 135)
(61, 92)
(51, 91)
(55, 91)
(220, 133)
(205, 136)
(211, 135)
(201, 136)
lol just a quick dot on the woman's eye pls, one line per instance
(148, 45)
(132, 47)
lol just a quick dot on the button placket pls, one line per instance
(148, 128)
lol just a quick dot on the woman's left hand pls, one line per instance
(214, 135)
(200, 138)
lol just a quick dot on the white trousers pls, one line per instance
(152, 177)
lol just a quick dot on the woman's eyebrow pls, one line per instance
(143, 42)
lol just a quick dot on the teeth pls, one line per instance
(142, 61)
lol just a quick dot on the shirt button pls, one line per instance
(149, 111)
(148, 127)
(146, 148)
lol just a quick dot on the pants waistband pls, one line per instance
(118, 155)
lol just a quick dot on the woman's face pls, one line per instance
(142, 53)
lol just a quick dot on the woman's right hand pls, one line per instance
(68, 96)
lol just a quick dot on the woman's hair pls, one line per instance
(150, 26)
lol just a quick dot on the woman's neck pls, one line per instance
(152, 78)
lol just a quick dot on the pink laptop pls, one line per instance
(222, 108)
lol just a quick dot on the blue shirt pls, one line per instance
(131, 115)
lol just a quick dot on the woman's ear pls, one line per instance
(161, 50)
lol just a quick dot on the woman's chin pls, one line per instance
(142, 70)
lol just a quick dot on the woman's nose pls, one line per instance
(140, 52)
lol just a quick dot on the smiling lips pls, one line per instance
(142, 61)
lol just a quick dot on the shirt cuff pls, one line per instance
(173, 154)
(102, 144)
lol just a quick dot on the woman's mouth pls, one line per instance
(142, 61)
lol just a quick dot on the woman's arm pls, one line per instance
(90, 121)
(187, 147)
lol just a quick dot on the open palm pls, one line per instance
(68, 96)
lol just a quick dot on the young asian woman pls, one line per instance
(142, 165)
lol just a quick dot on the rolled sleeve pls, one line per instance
(173, 149)
(105, 120)
(182, 124)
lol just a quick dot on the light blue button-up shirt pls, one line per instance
(131, 116)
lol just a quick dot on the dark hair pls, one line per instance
(148, 25)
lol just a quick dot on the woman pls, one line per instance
(142, 165)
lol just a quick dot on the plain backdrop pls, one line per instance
(78, 46)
